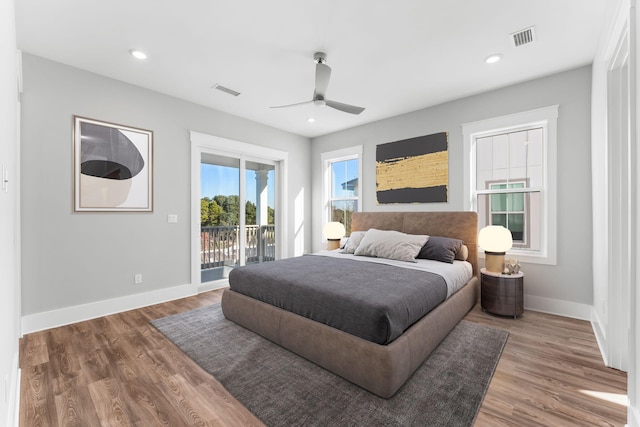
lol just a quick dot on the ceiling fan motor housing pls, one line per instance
(319, 57)
(323, 74)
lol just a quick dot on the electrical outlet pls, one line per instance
(137, 279)
(172, 218)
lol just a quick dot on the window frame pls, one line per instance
(545, 118)
(328, 158)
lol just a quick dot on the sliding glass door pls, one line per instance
(237, 212)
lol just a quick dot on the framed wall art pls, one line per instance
(113, 167)
(413, 170)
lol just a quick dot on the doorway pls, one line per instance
(237, 208)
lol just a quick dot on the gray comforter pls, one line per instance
(375, 302)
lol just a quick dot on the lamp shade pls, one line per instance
(333, 230)
(495, 238)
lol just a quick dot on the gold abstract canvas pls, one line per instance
(413, 170)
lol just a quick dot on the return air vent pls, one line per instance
(526, 36)
(225, 89)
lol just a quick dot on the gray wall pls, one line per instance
(571, 278)
(77, 258)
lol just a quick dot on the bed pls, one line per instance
(380, 367)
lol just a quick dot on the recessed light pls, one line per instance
(138, 54)
(311, 120)
(493, 58)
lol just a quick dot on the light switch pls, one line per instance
(172, 218)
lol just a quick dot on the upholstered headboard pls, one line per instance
(459, 225)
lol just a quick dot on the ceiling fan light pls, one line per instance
(311, 120)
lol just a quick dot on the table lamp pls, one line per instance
(333, 231)
(495, 240)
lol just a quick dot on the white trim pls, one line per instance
(78, 313)
(558, 307)
(633, 416)
(16, 406)
(196, 268)
(19, 71)
(13, 399)
(600, 334)
(621, 197)
(547, 118)
(204, 143)
(633, 381)
(213, 286)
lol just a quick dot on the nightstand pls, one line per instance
(502, 293)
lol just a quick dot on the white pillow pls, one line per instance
(354, 241)
(391, 244)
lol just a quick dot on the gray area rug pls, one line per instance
(283, 389)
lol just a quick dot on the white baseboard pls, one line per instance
(633, 416)
(16, 399)
(13, 407)
(559, 307)
(212, 286)
(601, 337)
(65, 316)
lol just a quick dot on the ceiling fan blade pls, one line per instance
(352, 109)
(293, 105)
(323, 74)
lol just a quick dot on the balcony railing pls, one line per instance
(219, 245)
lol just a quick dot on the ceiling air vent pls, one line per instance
(526, 36)
(225, 90)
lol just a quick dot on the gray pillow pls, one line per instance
(442, 249)
(391, 244)
(353, 242)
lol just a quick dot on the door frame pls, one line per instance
(621, 199)
(204, 143)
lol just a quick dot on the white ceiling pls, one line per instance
(391, 57)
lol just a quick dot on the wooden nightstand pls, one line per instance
(502, 293)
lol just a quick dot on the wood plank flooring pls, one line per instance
(120, 371)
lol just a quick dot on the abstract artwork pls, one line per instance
(112, 167)
(413, 170)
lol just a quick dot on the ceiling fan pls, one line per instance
(323, 74)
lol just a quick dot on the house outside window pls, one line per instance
(510, 210)
(510, 179)
(342, 177)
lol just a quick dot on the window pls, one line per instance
(510, 179)
(508, 183)
(342, 178)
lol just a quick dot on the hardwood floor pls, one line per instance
(120, 371)
(551, 374)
